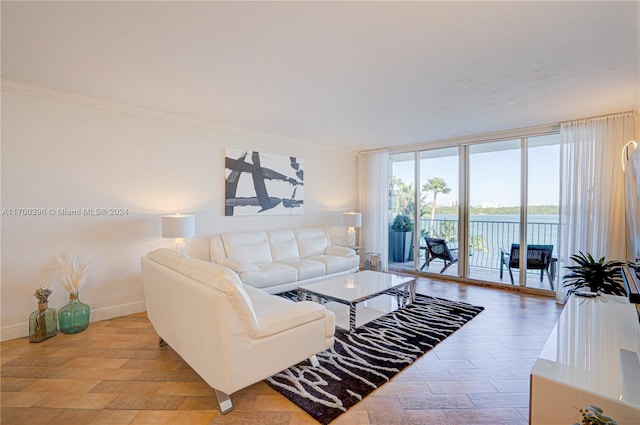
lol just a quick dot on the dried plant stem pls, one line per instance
(70, 271)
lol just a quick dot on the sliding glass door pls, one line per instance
(543, 199)
(438, 211)
(494, 207)
(472, 208)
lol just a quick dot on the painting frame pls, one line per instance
(259, 183)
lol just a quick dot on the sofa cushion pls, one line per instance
(336, 264)
(208, 273)
(248, 247)
(216, 248)
(283, 245)
(270, 274)
(238, 266)
(219, 277)
(307, 269)
(167, 257)
(341, 251)
(277, 314)
(311, 241)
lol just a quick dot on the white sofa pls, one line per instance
(231, 334)
(281, 260)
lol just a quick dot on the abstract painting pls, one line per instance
(258, 183)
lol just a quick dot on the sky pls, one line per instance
(495, 175)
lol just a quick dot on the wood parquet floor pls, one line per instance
(114, 373)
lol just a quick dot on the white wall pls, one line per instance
(81, 153)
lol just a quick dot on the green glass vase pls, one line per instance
(74, 317)
(43, 323)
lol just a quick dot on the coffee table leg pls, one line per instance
(352, 317)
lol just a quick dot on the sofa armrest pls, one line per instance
(340, 251)
(289, 316)
(238, 266)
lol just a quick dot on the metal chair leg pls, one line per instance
(446, 266)
(550, 280)
(224, 401)
(314, 361)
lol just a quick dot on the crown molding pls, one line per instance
(26, 89)
(97, 103)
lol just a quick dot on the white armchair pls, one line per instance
(232, 335)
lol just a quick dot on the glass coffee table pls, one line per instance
(354, 289)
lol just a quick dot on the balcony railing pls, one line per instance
(487, 238)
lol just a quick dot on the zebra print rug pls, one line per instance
(362, 361)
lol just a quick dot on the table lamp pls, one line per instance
(178, 226)
(351, 220)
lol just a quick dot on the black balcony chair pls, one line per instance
(538, 258)
(438, 249)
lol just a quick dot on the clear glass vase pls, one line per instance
(74, 317)
(43, 323)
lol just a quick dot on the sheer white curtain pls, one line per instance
(374, 203)
(592, 189)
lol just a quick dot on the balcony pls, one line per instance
(487, 237)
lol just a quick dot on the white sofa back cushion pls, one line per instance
(311, 241)
(210, 274)
(248, 247)
(283, 245)
(216, 249)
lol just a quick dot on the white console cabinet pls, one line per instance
(590, 358)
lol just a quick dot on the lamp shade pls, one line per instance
(178, 226)
(352, 219)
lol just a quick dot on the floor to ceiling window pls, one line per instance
(543, 215)
(438, 211)
(476, 204)
(494, 205)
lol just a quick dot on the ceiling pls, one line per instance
(355, 75)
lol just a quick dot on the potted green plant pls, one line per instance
(401, 239)
(593, 415)
(598, 276)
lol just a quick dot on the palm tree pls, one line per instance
(403, 202)
(435, 185)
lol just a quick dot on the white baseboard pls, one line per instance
(22, 329)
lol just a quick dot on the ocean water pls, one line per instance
(510, 218)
